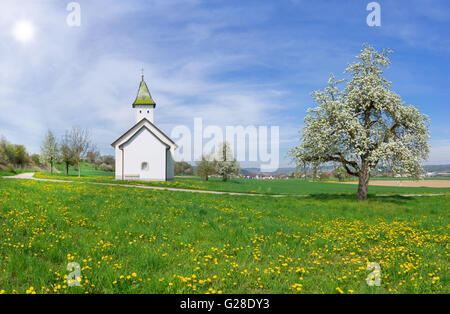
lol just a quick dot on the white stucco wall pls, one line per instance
(143, 111)
(145, 147)
(145, 143)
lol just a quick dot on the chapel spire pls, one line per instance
(143, 96)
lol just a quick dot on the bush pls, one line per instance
(6, 152)
(340, 173)
(183, 167)
(206, 167)
(10, 168)
(106, 167)
(36, 160)
(323, 176)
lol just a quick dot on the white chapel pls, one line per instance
(144, 152)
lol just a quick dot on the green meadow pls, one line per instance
(87, 170)
(289, 187)
(132, 240)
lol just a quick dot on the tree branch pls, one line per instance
(345, 163)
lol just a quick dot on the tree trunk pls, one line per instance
(51, 165)
(67, 168)
(206, 178)
(363, 185)
(79, 170)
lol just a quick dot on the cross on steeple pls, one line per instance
(142, 73)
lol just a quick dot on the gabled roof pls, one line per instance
(143, 96)
(142, 124)
(143, 127)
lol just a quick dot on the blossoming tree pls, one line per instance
(226, 164)
(364, 125)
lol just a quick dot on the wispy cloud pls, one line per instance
(440, 150)
(247, 63)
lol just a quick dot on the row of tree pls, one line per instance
(223, 164)
(183, 168)
(314, 171)
(15, 156)
(75, 146)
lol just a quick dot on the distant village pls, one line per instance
(324, 173)
(328, 175)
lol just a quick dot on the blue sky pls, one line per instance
(229, 62)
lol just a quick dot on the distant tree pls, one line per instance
(183, 167)
(20, 155)
(206, 167)
(7, 152)
(79, 144)
(3, 151)
(13, 155)
(298, 174)
(50, 150)
(66, 152)
(226, 165)
(92, 156)
(364, 125)
(36, 160)
(107, 159)
(106, 167)
(189, 170)
(340, 173)
(10, 168)
(323, 175)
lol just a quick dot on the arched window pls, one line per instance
(144, 166)
(140, 111)
(148, 111)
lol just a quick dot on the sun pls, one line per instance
(23, 31)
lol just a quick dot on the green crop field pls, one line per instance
(131, 240)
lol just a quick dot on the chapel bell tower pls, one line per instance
(144, 104)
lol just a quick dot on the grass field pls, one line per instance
(290, 187)
(87, 170)
(130, 240)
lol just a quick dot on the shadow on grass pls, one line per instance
(397, 199)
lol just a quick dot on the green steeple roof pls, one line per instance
(143, 96)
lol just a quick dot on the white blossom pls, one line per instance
(364, 125)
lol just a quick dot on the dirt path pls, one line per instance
(25, 175)
(30, 176)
